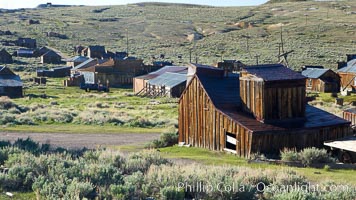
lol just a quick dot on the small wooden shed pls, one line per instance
(321, 80)
(10, 83)
(5, 57)
(348, 74)
(263, 111)
(51, 57)
(350, 115)
(140, 82)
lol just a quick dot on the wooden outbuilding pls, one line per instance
(10, 83)
(140, 83)
(57, 72)
(263, 110)
(95, 51)
(322, 80)
(114, 72)
(27, 53)
(168, 84)
(347, 73)
(230, 66)
(51, 57)
(26, 42)
(5, 57)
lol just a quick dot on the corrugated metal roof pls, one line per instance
(314, 72)
(174, 69)
(77, 59)
(273, 72)
(10, 81)
(350, 67)
(168, 79)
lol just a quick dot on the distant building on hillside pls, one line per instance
(5, 57)
(26, 42)
(51, 57)
(10, 83)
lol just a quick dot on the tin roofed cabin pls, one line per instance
(262, 110)
(347, 73)
(321, 80)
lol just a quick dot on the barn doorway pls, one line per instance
(230, 142)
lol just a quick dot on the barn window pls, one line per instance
(230, 142)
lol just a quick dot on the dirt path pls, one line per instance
(75, 141)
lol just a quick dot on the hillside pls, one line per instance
(320, 33)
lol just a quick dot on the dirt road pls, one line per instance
(75, 141)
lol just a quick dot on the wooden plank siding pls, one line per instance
(349, 116)
(268, 102)
(201, 124)
(273, 142)
(346, 79)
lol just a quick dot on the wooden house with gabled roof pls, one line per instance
(321, 80)
(5, 57)
(262, 110)
(10, 83)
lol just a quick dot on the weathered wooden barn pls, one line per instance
(114, 72)
(321, 80)
(347, 73)
(41, 51)
(140, 83)
(262, 110)
(10, 83)
(51, 57)
(5, 57)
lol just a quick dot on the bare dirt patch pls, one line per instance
(76, 141)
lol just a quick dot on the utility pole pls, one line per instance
(306, 19)
(127, 42)
(257, 56)
(190, 55)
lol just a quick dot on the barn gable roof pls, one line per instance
(225, 96)
(314, 72)
(223, 92)
(3, 52)
(273, 72)
(350, 67)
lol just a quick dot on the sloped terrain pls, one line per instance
(320, 33)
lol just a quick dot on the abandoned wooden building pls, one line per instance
(51, 57)
(347, 73)
(10, 83)
(57, 72)
(321, 80)
(262, 110)
(41, 51)
(140, 82)
(95, 51)
(26, 42)
(5, 57)
(114, 72)
(168, 84)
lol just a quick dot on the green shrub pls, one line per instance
(289, 155)
(313, 155)
(167, 138)
(27, 145)
(172, 193)
(295, 195)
